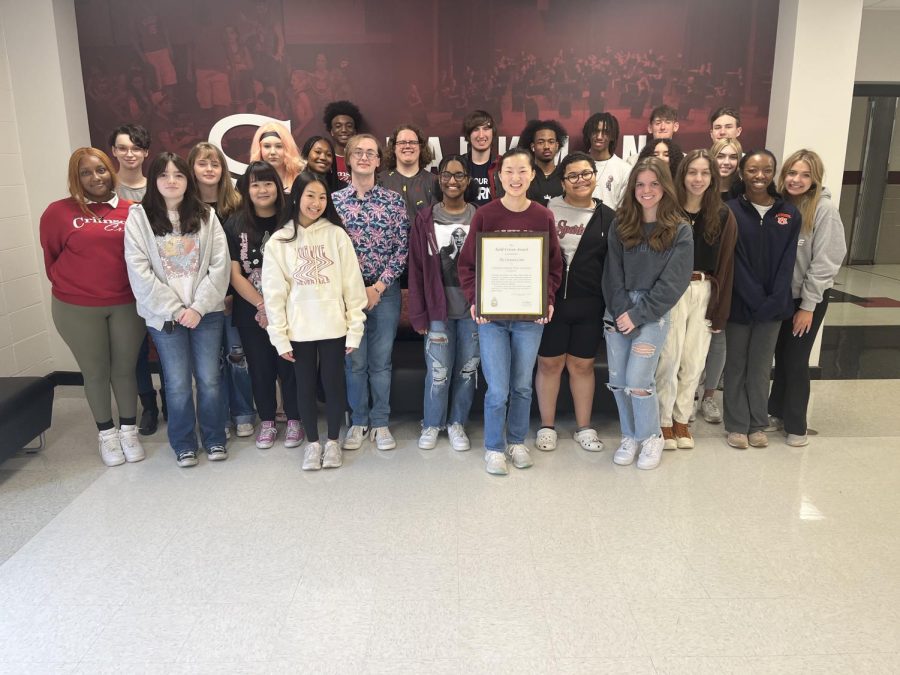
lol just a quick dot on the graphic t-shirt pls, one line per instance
(180, 257)
(247, 251)
(480, 178)
(342, 171)
(450, 231)
(570, 224)
(545, 187)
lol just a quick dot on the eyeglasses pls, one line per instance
(549, 143)
(406, 144)
(458, 176)
(368, 154)
(585, 175)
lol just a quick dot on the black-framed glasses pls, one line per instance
(585, 175)
(458, 176)
(407, 144)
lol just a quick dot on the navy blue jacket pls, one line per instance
(763, 261)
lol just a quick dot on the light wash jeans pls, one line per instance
(184, 352)
(508, 353)
(451, 359)
(632, 366)
(368, 368)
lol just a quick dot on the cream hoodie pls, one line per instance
(312, 286)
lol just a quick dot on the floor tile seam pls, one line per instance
(640, 634)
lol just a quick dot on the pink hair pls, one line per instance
(293, 164)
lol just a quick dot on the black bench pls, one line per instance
(26, 408)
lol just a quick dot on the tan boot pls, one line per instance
(669, 442)
(683, 436)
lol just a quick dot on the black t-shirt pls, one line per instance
(544, 188)
(480, 178)
(246, 249)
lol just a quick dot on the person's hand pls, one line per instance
(349, 350)
(480, 320)
(424, 331)
(288, 356)
(373, 297)
(546, 319)
(229, 304)
(262, 318)
(802, 322)
(714, 331)
(189, 318)
(624, 323)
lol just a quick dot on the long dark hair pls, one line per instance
(246, 215)
(711, 203)
(191, 211)
(331, 178)
(291, 214)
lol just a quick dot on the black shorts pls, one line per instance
(576, 329)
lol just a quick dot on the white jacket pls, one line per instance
(312, 286)
(156, 302)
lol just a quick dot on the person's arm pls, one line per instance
(212, 288)
(51, 238)
(784, 274)
(398, 231)
(828, 250)
(554, 274)
(354, 291)
(671, 283)
(146, 286)
(276, 285)
(615, 295)
(418, 314)
(718, 311)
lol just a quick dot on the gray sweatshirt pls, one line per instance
(156, 301)
(819, 255)
(665, 275)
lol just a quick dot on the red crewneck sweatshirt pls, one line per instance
(85, 255)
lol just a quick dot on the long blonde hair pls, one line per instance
(809, 200)
(227, 198)
(669, 215)
(293, 164)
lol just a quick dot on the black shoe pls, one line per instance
(150, 415)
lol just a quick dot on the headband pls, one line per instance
(268, 134)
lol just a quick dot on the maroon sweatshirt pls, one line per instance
(85, 255)
(494, 217)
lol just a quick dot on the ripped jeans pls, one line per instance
(451, 357)
(236, 393)
(632, 366)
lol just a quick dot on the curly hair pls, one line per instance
(629, 217)
(347, 108)
(526, 138)
(426, 156)
(675, 152)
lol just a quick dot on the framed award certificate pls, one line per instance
(511, 275)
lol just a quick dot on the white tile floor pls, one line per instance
(766, 561)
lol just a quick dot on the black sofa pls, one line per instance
(26, 409)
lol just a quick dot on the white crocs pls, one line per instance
(546, 439)
(589, 440)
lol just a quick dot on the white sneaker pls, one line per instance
(228, 433)
(518, 453)
(130, 443)
(495, 463)
(651, 452)
(545, 439)
(333, 456)
(797, 440)
(459, 441)
(383, 438)
(626, 451)
(312, 458)
(111, 448)
(589, 440)
(354, 438)
(429, 437)
(775, 424)
(244, 429)
(710, 411)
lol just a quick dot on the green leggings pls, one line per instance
(105, 342)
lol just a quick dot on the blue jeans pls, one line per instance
(632, 366)
(451, 359)
(237, 394)
(508, 352)
(368, 368)
(183, 352)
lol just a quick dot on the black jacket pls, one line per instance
(583, 276)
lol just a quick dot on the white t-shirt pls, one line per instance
(570, 224)
(612, 178)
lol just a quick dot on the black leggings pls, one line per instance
(265, 365)
(789, 397)
(327, 356)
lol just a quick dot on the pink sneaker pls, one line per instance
(294, 434)
(265, 439)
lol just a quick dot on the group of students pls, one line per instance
(291, 279)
